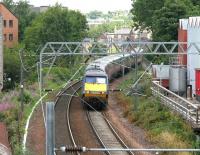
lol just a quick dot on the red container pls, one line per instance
(197, 83)
(182, 37)
(165, 83)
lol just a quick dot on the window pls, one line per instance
(4, 23)
(11, 37)
(101, 80)
(4, 37)
(10, 23)
(90, 79)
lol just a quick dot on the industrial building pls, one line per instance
(184, 76)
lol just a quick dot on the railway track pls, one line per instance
(105, 133)
(63, 132)
(70, 126)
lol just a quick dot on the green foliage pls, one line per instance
(97, 31)
(14, 131)
(11, 67)
(56, 24)
(25, 15)
(123, 15)
(158, 59)
(166, 21)
(26, 97)
(196, 2)
(94, 14)
(162, 16)
(21, 9)
(9, 4)
(151, 115)
(143, 11)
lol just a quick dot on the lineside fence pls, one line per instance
(185, 108)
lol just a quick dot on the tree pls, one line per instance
(11, 67)
(9, 4)
(95, 14)
(97, 31)
(196, 2)
(56, 24)
(25, 15)
(166, 21)
(143, 11)
(162, 16)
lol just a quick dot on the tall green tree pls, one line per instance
(25, 15)
(162, 16)
(9, 4)
(166, 21)
(56, 24)
(143, 11)
(196, 2)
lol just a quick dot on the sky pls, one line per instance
(87, 5)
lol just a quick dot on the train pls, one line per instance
(98, 75)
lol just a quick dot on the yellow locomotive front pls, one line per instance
(95, 91)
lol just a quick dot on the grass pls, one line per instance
(164, 128)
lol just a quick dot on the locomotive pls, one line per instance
(98, 74)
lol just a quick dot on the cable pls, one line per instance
(22, 63)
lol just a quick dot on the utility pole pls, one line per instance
(1, 52)
(22, 83)
(136, 75)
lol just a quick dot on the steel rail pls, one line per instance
(68, 117)
(116, 134)
(121, 142)
(96, 133)
(70, 86)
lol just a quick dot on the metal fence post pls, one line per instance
(50, 128)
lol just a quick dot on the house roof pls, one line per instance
(1, 3)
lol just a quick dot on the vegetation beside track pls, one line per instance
(14, 119)
(164, 128)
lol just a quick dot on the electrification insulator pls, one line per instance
(73, 149)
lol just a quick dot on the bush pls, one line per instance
(11, 67)
(26, 97)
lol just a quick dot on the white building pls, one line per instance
(193, 58)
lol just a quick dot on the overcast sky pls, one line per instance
(87, 5)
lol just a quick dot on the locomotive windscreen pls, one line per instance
(92, 79)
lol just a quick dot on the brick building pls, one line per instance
(10, 26)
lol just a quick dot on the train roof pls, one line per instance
(104, 61)
(100, 64)
(95, 73)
